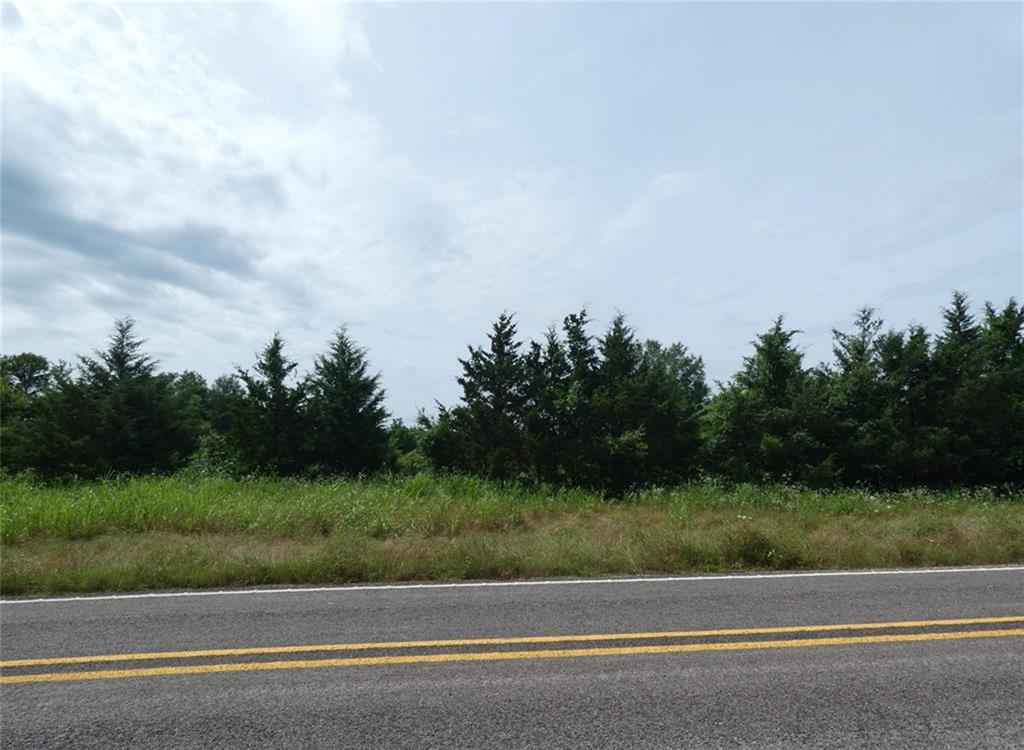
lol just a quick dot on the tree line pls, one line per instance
(115, 413)
(892, 408)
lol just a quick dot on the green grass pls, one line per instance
(158, 532)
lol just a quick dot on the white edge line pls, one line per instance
(499, 584)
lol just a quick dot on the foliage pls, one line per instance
(115, 413)
(266, 424)
(405, 453)
(611, 413)
(345, 412)
(767, 424)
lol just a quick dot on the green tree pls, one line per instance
(224, 406)
(956, 368)
(911, 405)
(610, 414)
(266, 426)
(671, 391)
(620, 450)
(862, 430)
(443, 444)
(489, 421)
(135, 423)
(405, 453)
(18, 413)
(25, 382)
(346, 412)
(191, 395)
(577, 428)
(117, 415)
(29, 372)
(546, 383)
(989, 404)
(224, 398)
(766, 424)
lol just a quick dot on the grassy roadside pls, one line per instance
(188, 532)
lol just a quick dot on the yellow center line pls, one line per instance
(499, 641)
(504, 655)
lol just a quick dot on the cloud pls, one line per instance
(150, 169)
(12, 19)
(662, 195)
(170, 255)
(224, 170)
(256, 189)
(946, 210)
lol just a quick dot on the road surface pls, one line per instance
(895, 659)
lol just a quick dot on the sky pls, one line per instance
(221, 172)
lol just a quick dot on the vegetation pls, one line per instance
(114, 413)
(183, 530)
(612, 413)
(554, 462)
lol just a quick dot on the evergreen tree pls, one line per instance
(490, 418)
(346, 412)
(577, 428)
(266, 426)
(620, 452)
(910, 394)
(620, 353)
(610, 416)
(135, 425)
(767, 423)
(956, 367)
(862, 430)
(893, 408)
(671, 391)
(117, 415)
(990, 402)
(580, 351)
(956, 346)
(442, 442)
(547, 374)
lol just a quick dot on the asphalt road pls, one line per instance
(648, 675)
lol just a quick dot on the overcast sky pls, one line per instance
(223, 171)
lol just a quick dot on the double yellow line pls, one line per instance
(444, 657)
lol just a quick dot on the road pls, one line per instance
(900, 659)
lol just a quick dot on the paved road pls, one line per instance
(643, 677)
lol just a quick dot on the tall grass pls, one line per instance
(422, 504)
(187, 531)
